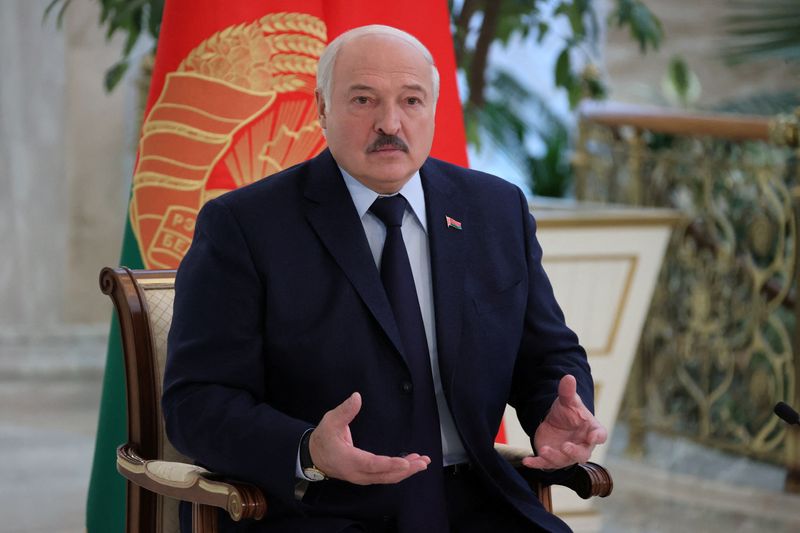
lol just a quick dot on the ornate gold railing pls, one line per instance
(721, 344)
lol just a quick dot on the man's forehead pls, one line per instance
(366, 58)
(386, 52)
(368, 40)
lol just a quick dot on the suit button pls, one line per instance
(407, 387)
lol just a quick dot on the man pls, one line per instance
(333, 336)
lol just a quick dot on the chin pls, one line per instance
(395, 177)
(386, 183)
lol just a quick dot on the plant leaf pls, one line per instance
(154, 16)
(60, 16)
(762, 30)
(114, 75)
(679, 76)
(543, 28)
(643, 24)
(563, 68)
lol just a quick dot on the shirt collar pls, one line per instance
(363, 196)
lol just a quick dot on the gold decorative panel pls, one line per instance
(719, 346)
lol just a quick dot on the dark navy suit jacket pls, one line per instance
(280, 315)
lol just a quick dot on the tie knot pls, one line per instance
(390, 209)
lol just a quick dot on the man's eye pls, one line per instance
(413, 100)
(361, 99)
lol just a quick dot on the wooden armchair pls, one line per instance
(158, 476)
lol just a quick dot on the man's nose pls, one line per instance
(388, 120)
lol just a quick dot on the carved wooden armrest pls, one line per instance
(586, 479)
(192, 484)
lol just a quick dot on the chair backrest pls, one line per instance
(143, 301)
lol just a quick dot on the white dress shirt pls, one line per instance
(415, 235)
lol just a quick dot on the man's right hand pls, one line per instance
(332, 451)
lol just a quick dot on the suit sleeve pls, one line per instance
(549, 349)
(214, 402)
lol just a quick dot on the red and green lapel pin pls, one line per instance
(453, 223)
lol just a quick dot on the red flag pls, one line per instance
(231, 101)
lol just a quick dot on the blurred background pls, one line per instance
(690, 106)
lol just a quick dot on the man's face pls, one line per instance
(380, 120)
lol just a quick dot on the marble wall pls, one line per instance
(694, 29)
(63, 186)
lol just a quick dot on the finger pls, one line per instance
(597, 435)
(538, 463)
(581, 425)
(548, 458)
(557, 457)
(381, 464)
(589, 431)
(576, 453)
(345, 412)
(425, 460)
(417, 457)
(372, 468)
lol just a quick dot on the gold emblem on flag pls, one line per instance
(239, 107)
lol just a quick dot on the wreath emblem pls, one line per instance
(239, 107)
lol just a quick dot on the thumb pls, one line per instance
(568, 390)
(568, 386)
(345, 412)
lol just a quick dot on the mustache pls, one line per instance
(388, 140)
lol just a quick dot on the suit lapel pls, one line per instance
(332, 215)
(447, 249)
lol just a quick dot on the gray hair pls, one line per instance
(328, 57)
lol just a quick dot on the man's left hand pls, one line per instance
(569, 432)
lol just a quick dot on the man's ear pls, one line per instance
(320, 108)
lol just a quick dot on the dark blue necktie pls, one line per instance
(424, 492)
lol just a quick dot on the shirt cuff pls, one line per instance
(298, 470)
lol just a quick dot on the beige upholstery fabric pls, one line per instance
(512, 454)
(159, 306)
(174, 474)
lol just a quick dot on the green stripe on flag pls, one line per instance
(105, 505)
